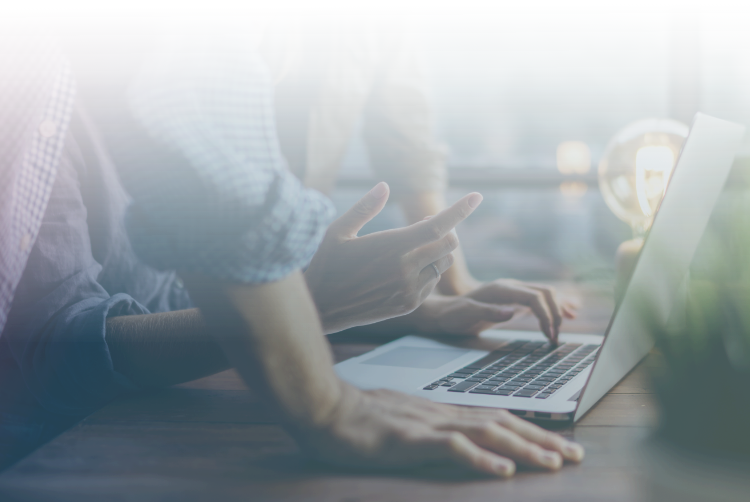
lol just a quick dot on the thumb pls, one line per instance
(363, 211)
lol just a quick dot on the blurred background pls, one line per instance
(515, 86)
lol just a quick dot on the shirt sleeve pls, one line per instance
(55, 333)
(211, 190)
(398, 126)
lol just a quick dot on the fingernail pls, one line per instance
(507, 311)
(505, 468)
(573, 451)
(550, 459)
(379, 190)
(475, 200)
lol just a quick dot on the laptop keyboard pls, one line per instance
(521, 369)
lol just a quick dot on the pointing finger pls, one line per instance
(438, 226)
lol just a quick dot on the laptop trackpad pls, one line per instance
(416, 357)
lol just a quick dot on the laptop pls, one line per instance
(520, 370)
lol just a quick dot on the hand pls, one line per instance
(456, 315)
(541, 299)
(389, 429)
(362, 280)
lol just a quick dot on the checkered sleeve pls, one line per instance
(228, 207)
(36, 102)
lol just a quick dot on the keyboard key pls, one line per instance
(447, 384)
(431, 387)
(496, 379)
(543, 395)
(463, 387)
(490, 358)
(504, 392)
(510, 387)
(480, 391)
(486, 387)
(534, 387)
(459, 375)
(524, 393)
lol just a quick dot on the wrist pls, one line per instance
(425, 319)
(457, 284)
(319, 434)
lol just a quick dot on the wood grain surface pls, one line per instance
(213, 440)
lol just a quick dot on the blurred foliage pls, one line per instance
(703, 384)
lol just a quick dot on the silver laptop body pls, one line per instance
(518, 370)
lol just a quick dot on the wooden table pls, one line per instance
(212, 440)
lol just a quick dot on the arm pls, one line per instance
(156, 350)
(271, 334)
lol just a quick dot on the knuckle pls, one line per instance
(361, 209)
(454, 440)
(406, 436)
(504, 416)
(451, 241)
(487, 429)
(432, 231)
(538, 299)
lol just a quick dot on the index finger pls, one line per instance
(553, 305)
(438, 226)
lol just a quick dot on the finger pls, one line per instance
(546, 439)
(490, 435)
(429, 274)
(363, 211)
(535, 300)
(432, 252)
(568, 312)
(438, 226)
(456, 447)
(552, 306)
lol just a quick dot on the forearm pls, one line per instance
(163, 349)
(271, 334)
(457, 280)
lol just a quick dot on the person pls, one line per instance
(240, 259)
(335, 78)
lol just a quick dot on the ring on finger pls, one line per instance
(437, 272)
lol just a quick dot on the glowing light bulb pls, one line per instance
(653, 166)
(635, 169)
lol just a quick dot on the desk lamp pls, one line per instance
(633, 174)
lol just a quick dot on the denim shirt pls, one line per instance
(55, 366)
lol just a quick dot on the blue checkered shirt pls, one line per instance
(227, 207)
